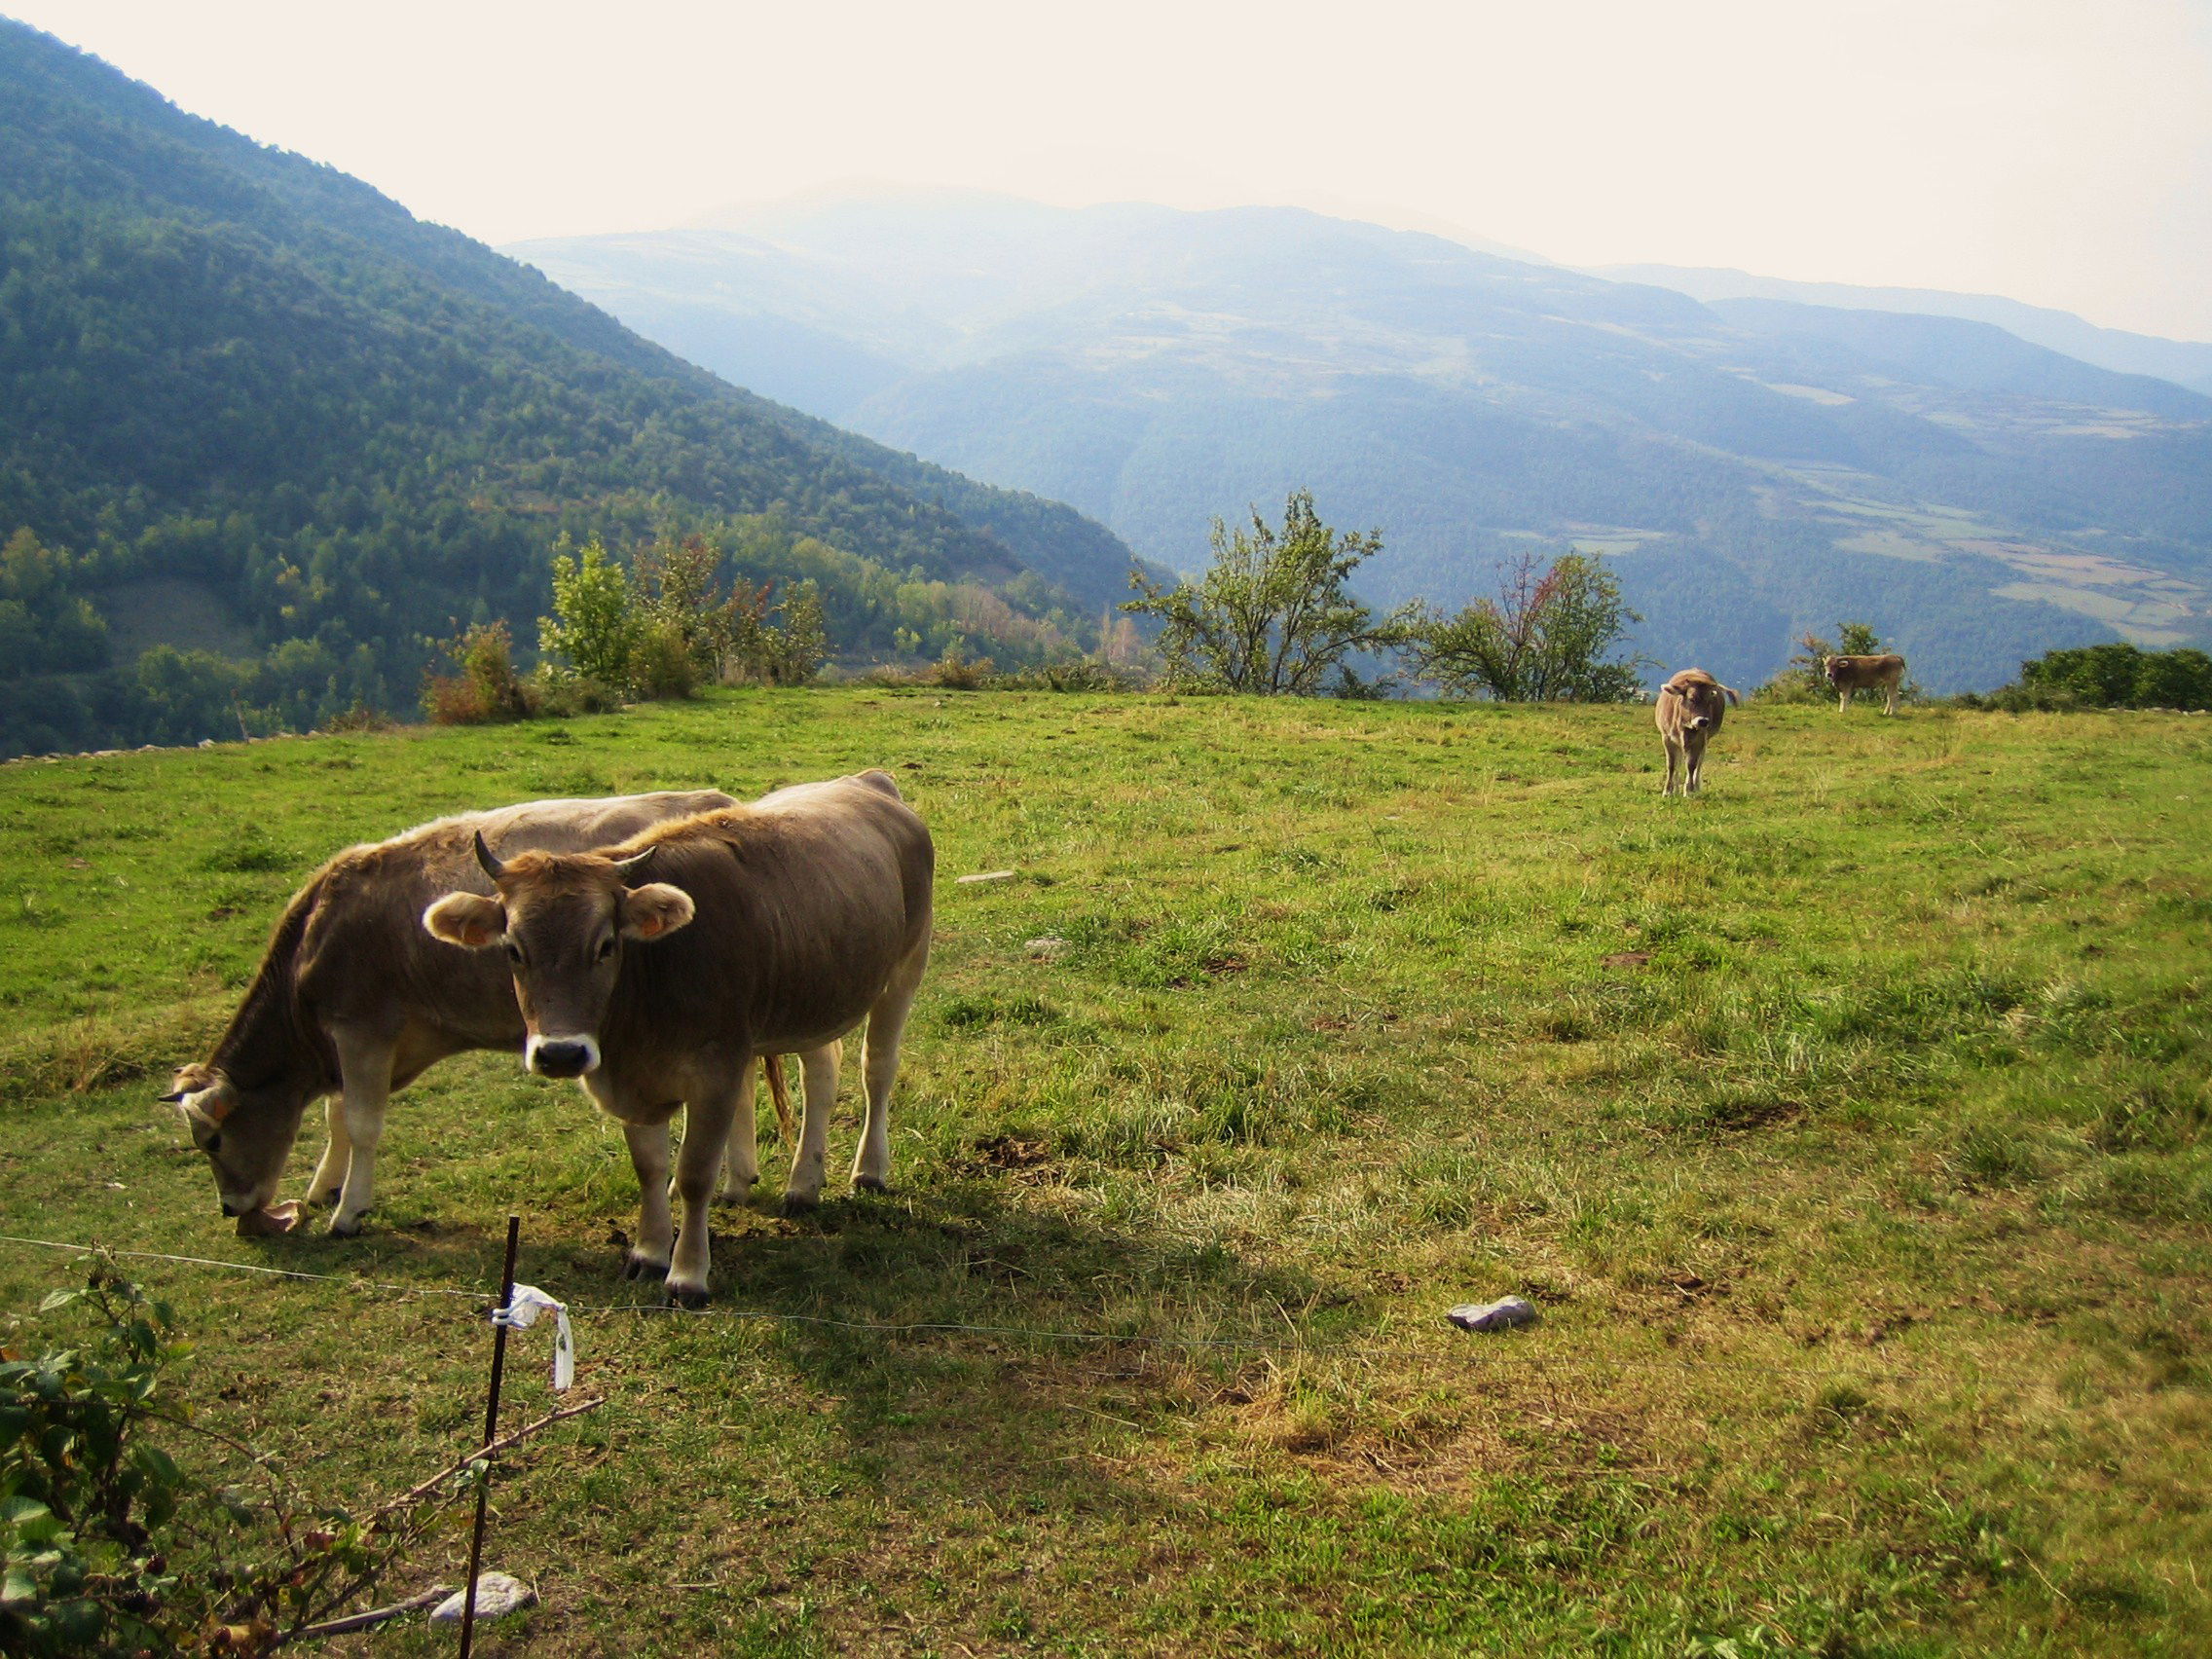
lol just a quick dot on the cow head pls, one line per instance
(1831, 668)
(246, 1134)
(563, 921)
(1704, 700)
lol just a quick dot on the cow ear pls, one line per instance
(211, 1103)
(466, 919)
(655, 910)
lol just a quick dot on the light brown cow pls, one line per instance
(768, 929)
(1849, 674)
(1690, 710)
(351, 1001)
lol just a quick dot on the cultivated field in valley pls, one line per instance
(1847, 1123)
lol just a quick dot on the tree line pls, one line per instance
(1274, 614)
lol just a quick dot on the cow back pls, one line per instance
(805, 904)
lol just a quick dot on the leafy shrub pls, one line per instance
(486, 688)
(662, 665)
(2115, 676)
(1546, 638)
(594, 624)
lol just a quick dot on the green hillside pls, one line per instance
(229, 366)
(1847, 1124)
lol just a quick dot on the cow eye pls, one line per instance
(605, 951)
(214, 1144)
(514, 955)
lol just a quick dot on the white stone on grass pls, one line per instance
(1508, 1313)
(497, 1594)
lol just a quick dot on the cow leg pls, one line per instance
(706, 1134)
(1674, 760)
(364, 1064)
(649, 1257)
(1843, 700)
(1694, 779)
(1893, 704)
(879, 1070)
(330, 1172)
(818, 1069)
(741, 1154)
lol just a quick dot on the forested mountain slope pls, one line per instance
(236, 382)
(1754, 468)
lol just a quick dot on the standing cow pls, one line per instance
(1849, 674)
(1690, 710)
(351, 1000)
(655, 972)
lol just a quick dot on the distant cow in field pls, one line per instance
(351, 1001)
(655, 972)
(1849, 674)
(1690, 710)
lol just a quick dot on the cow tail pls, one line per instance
(772, 1067)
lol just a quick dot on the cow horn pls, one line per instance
(633, 866)
(493, 868)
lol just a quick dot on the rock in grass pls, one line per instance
(495, 1595)
(1507, 1314)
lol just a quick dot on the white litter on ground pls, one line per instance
(497, 1594)
(1508, 1313)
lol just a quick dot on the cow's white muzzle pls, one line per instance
(561, 1057)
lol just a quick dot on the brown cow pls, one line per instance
(351, 1000)
(1849, 674)
(769, 929)
(1690, 710)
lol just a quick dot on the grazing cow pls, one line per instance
(1688, 710)
(656, 970)
(1849, 674)
(351, 1000)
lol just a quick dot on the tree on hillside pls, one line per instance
(593, 622)
(1273, 616)
(1546, 638)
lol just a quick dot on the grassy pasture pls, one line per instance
(1849, 1124)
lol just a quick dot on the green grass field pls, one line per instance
(1849, 1124)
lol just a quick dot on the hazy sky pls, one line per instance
(2057, 150)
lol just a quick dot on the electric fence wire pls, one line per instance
(1492, 1357)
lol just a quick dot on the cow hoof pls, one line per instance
(795, 1203)
(341, 1228)
(636, 1267)
(870, 1184)
(734, 1195)
(685, 1297)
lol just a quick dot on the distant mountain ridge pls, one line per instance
(227, 366)
(2186, 363)
(1754, 468)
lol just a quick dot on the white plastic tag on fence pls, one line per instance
(522, 1311)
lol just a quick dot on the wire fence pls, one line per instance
(1488, 1352)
